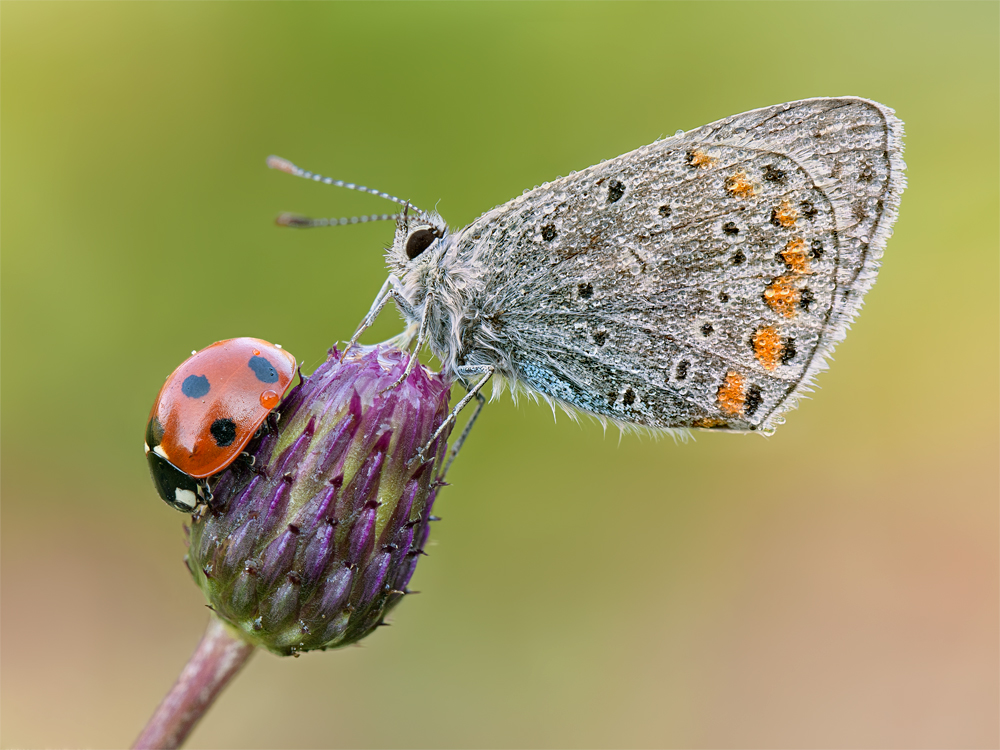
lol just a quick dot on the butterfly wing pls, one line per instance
(700, 281)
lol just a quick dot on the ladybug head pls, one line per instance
(179, 490)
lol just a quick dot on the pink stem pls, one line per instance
(219, 656)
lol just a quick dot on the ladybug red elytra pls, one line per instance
(208, 410)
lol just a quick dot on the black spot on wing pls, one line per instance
(806, 299)
(753, 401)
(788, 352)
(866, 173)
(223, 432)
(773, 174)
(195, 386)
(263, 369)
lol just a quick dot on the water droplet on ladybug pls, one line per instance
(269, 399)
(256, 352)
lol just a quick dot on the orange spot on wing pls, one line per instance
(739, 185)
(782, 296)
(698, 158)
(784, 215)
(795, 255)
(732, 395)
(767, 347)
(708, 423)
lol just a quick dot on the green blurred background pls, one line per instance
(834, 585)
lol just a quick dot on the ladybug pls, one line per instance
(208, 410)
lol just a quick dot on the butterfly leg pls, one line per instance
(421, 337)
(392, 289)
(457, 446)
(463, 372)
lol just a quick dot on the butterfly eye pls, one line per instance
(419, 241)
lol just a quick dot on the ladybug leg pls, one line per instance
(205, 497)
(391, 289)
(269, 425)
(204, 491)
(247, 462)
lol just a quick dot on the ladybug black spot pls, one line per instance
(223, 432)
(263, 369)
(195, 386)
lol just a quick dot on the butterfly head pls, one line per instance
(419, 239)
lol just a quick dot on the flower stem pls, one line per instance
(219, 656)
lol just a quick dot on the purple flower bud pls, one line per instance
(313, 543)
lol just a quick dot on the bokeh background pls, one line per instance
(834, 585)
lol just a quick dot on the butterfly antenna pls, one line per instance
(294, 220)
(300, 222)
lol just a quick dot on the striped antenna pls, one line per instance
(303, 222)
(292, 220)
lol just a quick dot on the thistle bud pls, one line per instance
(311, 540)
